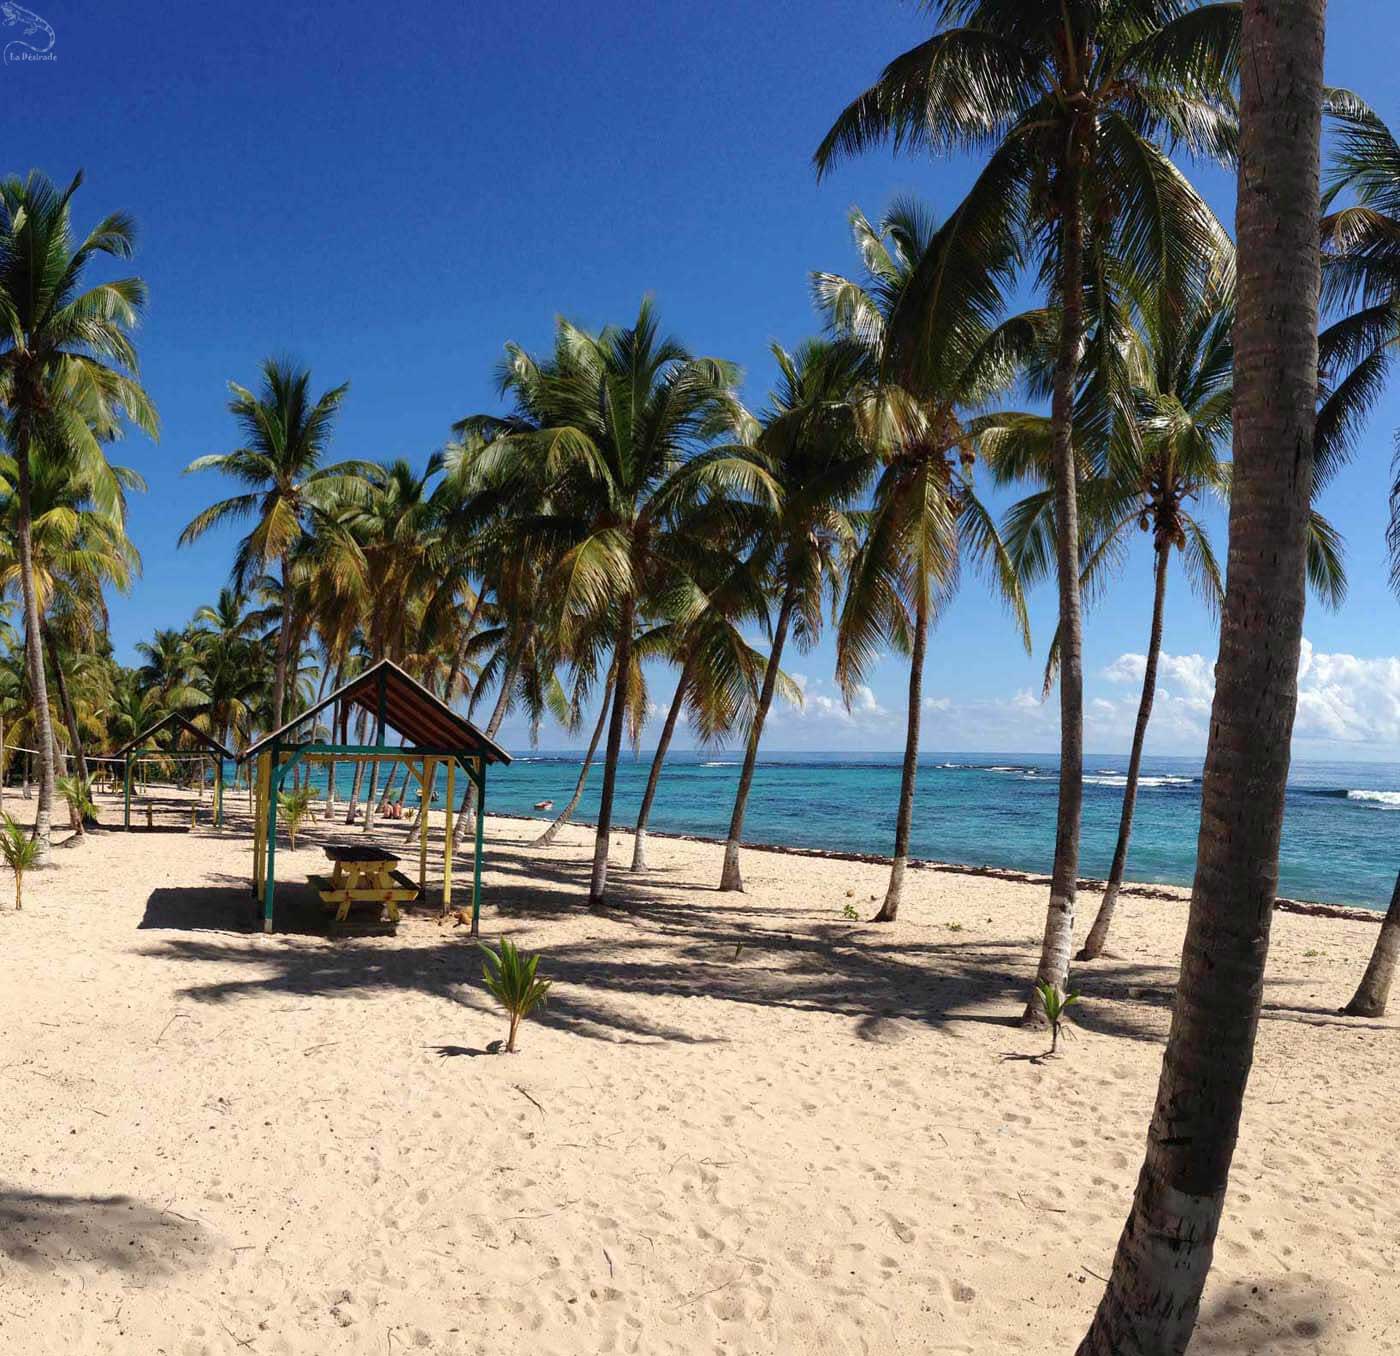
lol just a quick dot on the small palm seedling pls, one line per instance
(20, 852)
(77, 795)
(1056, 1003)
(294, 806)
(510, 978)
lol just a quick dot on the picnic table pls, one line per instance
(363, 873)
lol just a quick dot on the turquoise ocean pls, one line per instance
(990, 810)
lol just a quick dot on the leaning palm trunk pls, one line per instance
(663, 745)
(1053, 968)
(358, 780)
(889, 910)
(459, 655)
(370, 796)
(1164, 1253)
(386, 799)
(622, 659)
(552, 832)
(1098, 934)
(731, 878)
(1374, 991)
(65, 703)
(34, 654)
(284, 646)
(498, 714)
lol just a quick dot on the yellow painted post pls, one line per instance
(425, 800)
(447, 839)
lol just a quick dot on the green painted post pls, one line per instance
(219, 794)
(126, 782)
(480, 780)
(274, 783)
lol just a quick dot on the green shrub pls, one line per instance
(510, 978)
(77, 795)
(20, 852)
(294, 806)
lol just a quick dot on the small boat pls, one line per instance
(544, 805)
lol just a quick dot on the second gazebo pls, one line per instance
(432, 735)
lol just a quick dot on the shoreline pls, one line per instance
(1310, 908)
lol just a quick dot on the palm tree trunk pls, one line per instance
(663, 744)
(357, 782)
(459, 655)
(622, 659)
(34, 654)
(731, 878)
(284, 645)
(1164, 1254)
(1098, 934)
(552, 832)
(371, 795)
(65, 704)
(388, 788)
(4, 767)
(1059, 918)
(905, 818)
(1374, 991)
(459, 829)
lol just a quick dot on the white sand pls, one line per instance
(830, 1142)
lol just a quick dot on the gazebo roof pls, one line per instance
(423, 719)
(174, 718)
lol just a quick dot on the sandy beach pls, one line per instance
(744, 1124)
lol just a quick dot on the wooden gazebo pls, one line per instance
(144, 747)
(433, 735)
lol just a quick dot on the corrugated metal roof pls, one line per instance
(174, 718)
(424, 720)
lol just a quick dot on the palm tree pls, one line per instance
(67, 380)
(812, 445)
(1164, 1254)
(1360, 279)
(79, 547)
(611, 439)
(171, 668)
(721, 674)
(1373, 993)
(926, 514)
(1073, 100)
(287, 435)
(1183, 366)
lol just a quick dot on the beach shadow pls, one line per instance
(660, 937)
(709, 947)
(1266, 1316)
(231, 908)
(49, 1232)
(467, 1051)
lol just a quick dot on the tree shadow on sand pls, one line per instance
(669, 938)
(1278, 1315)
(48, 1232)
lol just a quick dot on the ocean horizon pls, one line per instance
(985, 809)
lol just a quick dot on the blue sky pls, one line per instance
(390, 195)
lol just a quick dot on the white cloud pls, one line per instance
(865, 704)
(1191, 676)
(822, 704)
(1341, 698)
